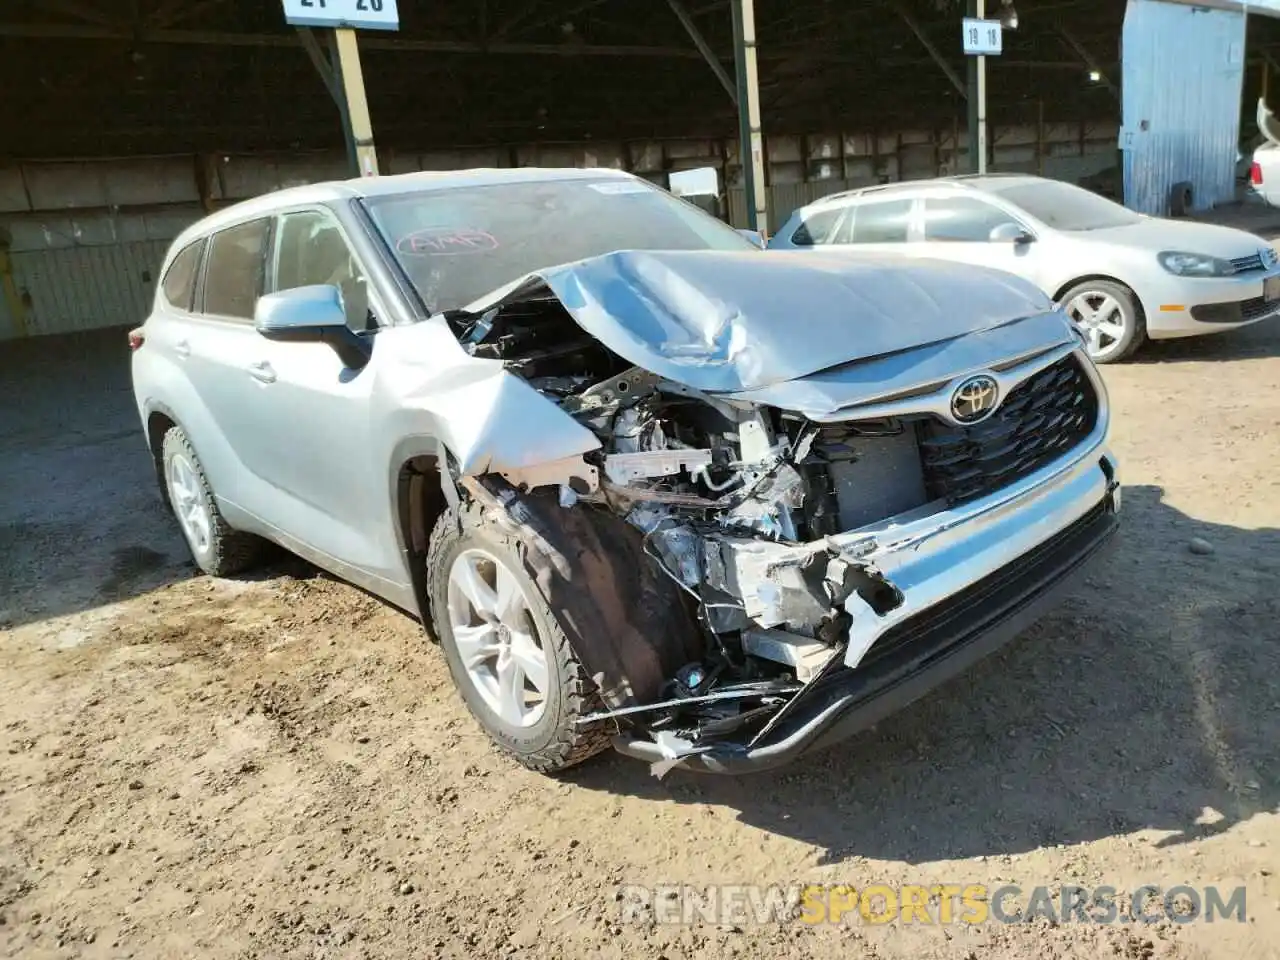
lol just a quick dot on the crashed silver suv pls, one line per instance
(648, 485)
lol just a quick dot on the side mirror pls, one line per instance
(755, 237)
(1010, 233)
(311, 314)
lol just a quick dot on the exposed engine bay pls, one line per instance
(711, 483)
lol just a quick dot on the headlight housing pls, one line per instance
(1195, 264)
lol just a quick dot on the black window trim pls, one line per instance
(913, 214)
(196, 275)
(979, 197)
(804, 217)
(270, 219)
(269, 278)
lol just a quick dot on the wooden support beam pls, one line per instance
(54, 31)
(328, 76)
(932, 50)
(704, 48)
(79, 11)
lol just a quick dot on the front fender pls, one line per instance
(488, 420)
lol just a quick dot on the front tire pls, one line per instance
(1109, 316)
(216, 548)
(509, 658)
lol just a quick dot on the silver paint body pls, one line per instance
(309, 455)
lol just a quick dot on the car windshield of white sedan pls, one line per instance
(459, 244)
(1064, 206)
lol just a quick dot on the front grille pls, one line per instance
(1040, 419)
(1256, 307)
(1247, 264)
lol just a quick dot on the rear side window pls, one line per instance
(815, 227)
(180, 280)
(884, 222)
(961, 219)
(236, 265)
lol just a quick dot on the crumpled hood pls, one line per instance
(729, 321)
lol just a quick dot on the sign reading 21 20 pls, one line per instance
(361, 14)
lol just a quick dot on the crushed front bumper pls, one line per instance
(968, 586)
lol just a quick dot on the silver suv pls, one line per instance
(646, 483)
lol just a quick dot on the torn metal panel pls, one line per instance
(725, 322)
(488, 419)
(623, 468)
(804, 654)
(573, 473)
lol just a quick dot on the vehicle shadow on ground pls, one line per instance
(82, 523)
(1148, 700)
(1260, 340)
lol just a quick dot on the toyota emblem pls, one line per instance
(975, 399)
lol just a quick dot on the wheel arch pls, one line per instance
(160, 420)
(421, 490)
(1087, 277)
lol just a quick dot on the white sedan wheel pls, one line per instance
(1101, 318)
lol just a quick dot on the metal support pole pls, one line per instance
(751, 142)
(356, 113)
(9, 288)
(972, 100)
(982, 99)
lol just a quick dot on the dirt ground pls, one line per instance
(279, 767)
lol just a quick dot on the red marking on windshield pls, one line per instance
(446, 242)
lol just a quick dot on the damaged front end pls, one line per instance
(858, 493)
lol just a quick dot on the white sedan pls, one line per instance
(1123, 277)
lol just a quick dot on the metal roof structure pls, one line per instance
(88, 77)
(100, 77)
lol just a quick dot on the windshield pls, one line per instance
(1063, 206)
(459, 244)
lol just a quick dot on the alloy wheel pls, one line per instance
(497, 640)
(187, 497)
(1101, 319)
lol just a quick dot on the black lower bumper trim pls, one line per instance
(1242, 312)
(925, 651)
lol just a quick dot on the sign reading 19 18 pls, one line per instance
(983, 38)
(361, 14)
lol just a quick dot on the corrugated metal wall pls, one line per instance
(82, 288)
(86, 239)
(1183, 70)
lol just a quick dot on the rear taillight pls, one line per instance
(136, 338)
(1255, 175)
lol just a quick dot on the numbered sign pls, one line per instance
(983, 38)
(361, 14)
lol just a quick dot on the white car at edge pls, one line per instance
(1123, 277)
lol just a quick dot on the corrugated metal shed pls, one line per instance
(82, 288)
(1183, 71)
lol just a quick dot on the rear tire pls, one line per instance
(1109, 316)
(216, 548)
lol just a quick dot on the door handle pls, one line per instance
(182, 349)
(262, 371)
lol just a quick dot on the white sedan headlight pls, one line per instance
(1195, 264)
